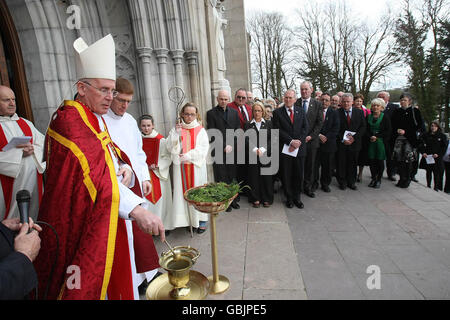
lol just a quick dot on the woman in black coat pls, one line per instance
(258, 148)
(406, 122)
(378, 133)
(433, 145)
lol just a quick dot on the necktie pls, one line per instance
(243, 113)
(348, 118)
(304, 106)
(324, 115)
(291, 115)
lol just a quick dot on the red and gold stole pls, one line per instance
(8, 182)
(151, 149)
(188, 141)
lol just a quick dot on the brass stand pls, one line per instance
(217, 283)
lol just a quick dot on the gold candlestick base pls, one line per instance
(220, 286)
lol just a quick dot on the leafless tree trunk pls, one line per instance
(271, 47)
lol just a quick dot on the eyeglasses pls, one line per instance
(123, 101)
(104, 91)
(241, 97)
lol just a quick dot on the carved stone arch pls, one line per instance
(12, 69)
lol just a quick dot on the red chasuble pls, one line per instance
(8, 182)
(151, 149)
(81, 201)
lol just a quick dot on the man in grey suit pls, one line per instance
(314, 116)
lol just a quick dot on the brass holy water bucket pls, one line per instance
(178, 267)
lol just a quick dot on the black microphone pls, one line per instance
(23, 202)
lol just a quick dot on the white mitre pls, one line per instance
(97, 61)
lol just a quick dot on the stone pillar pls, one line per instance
(177, 56)
(169, 115)
(192, 58)
(144, 55)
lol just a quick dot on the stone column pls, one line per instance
(192, 58)
(144, 55)
(177, 56)
(169, 114)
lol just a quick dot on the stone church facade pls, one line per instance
(159, 44)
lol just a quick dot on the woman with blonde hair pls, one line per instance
(261, 186)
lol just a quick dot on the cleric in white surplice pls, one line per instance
(21, 167)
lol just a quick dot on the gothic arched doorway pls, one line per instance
(12, 71)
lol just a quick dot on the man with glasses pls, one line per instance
(239, 104)
(245, 115)
(125, 133)
(86, 198)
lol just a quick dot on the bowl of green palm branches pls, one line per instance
(213, 197)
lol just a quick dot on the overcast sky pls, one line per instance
(366, 10)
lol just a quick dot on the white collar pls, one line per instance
(191, 125)
(254, 121)
(152, 134)
(14, 117)
(112, 115)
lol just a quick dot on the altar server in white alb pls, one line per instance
(124, 132)
(188, 145)
(21, 165)
(158, 162)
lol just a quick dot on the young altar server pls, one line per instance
(158, 162)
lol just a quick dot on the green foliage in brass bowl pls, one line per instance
(214, 192)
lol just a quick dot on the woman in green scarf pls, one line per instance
(379, 131)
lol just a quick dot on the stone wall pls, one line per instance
(159, 44)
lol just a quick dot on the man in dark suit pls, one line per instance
(351, 119)
(223, 119)
(314, 116)
(245, 114)
(327, 147)
(391, 169)
(293, 128)
(17, 253)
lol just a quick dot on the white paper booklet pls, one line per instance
(15, 142)
(289, 153)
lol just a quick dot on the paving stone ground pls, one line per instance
(324, 251)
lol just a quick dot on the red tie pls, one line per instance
(291, 115)
(243, 114)
(348, 118)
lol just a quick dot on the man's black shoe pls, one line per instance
(235, 205)
(352, 186)
(299, 204)
(229, 209)
(289, 204)
(326, 189)
(310, 194)
(342, 187)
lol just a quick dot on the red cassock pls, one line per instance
(81, 201)
(151, 149)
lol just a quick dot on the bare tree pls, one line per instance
(340, 53)
(271, 48)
